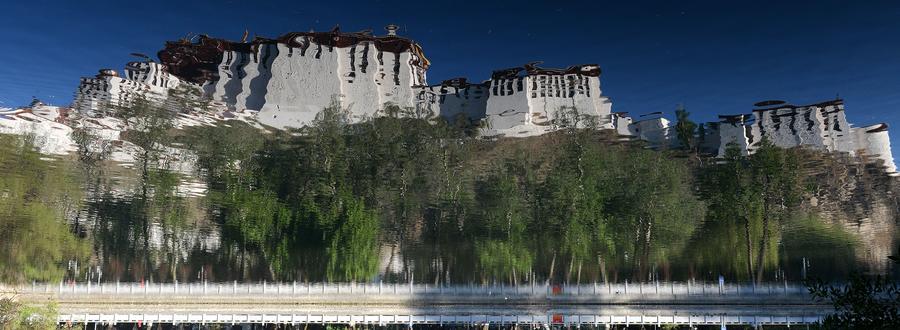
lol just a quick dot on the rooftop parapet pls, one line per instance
(772, 105)
(531, 69)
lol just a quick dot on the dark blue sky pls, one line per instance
(715, 57)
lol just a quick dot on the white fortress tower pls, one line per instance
(291, 78)
(530, 100)
(822, 126)
(108, 89)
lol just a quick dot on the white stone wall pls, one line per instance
(532, 104)
(450, 101)
(658, 131)
(146, 79)
(621, 122)
(550, 93)
(360, 76)
(289, 86)
(873, 142)
(151, 74)
(225, 90)
(509, 110)
(396, 79)
(792, 127)
(42, 122)
(300, 87)
(821, 126)
(733, 132)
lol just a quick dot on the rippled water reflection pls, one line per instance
(852, 229)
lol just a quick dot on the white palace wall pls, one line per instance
(286, 82)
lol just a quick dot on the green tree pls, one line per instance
(863, 303)
(685, 129)
(36, 198)
(776, 177)
(225, 152)
(504, 259)
(501, 211)
(148, 127)
(353, 250)
(651, 206)
(15, 315)
(758, 191)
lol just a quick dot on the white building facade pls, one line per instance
(821, 126)
(286, 81)
(530, 100)
(108, 89)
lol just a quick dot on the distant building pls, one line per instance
(820, 126)
(655, 129)
(530, 100)
(147, 79)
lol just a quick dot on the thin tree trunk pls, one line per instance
(762, 245)
(638, 234)
(578, 280)
(390, 263)
(602, 269)
(552, 267)
(174, 258)
(749, 248)
(243, 253)
(515, 279)
(765, 234)
(645, 254)
(437, 277)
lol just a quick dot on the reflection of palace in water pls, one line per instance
(822, 126)
(287, 81)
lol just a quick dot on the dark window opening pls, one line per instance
(365, 59)
(353, 58)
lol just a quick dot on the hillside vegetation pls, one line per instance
(424, 200)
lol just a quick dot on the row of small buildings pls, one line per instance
(287, 80)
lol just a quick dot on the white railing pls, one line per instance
(759, 296)
(294, 288)
(561, 319)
